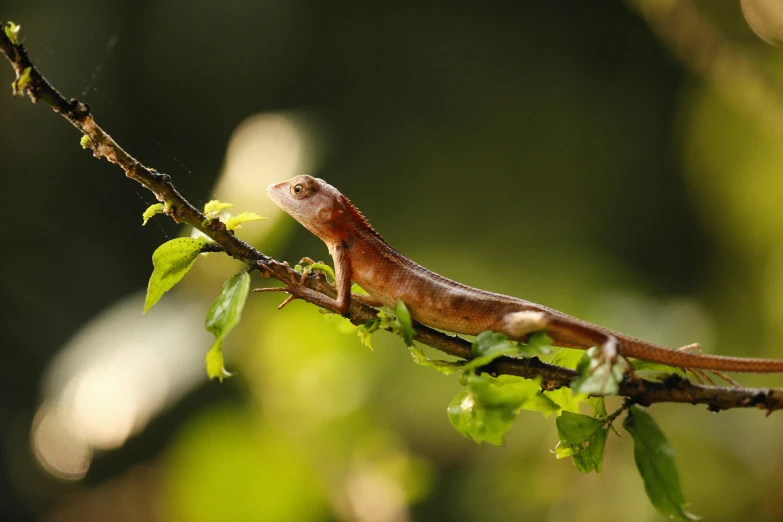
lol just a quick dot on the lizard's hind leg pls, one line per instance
(568, 334)
(609, 354)
(699, 374)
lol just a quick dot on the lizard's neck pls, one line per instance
(357, 222)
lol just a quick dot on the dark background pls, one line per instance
(571, 153)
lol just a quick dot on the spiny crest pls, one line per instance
(358, 215)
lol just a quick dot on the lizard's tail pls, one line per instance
(573, 333)
(658, 354)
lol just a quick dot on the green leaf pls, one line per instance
(596, 377)
(387, 321)
(596, 449)
(540, 402)
(215, 207)
(223, 316)
(639, 365)
(655, 461)
(567, 358)
(366, 330)
(404, 322)
(582, 438)
(171, 260)
(85, 141)
(590, 456)
(539, 343)
(24, 79)
(19, 85)
(235, 222)
(482, 423)
(487, 347)
(356, 289)
(489, 341)
(566, 399)
(12, 32)
(485, 410)
(152, 210)
(214, 362)
(599, 411)
(599, 407)
(444, 367)
(490, 345)
(342, 324)
(319, 266)
(563, 450)
(226, 309)
(574, 429)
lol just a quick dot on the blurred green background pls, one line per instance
(618, 161)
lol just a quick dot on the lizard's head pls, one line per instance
(315, 204)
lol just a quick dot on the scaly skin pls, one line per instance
(360, 254)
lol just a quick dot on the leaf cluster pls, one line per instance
(488, 405)
(173, 259)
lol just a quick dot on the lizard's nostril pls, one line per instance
(274, 186)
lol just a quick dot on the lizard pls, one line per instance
(361, 255)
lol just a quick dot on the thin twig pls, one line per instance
(102, 145)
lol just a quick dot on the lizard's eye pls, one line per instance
(304, 187)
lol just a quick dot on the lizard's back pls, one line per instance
(432, 299)
(440, 302)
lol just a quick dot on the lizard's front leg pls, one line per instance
(342, 277)
(342, 303)
(362, 298)
(342, 281)
(297, 290)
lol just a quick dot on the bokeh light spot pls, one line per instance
(765, 17)
(58, 449)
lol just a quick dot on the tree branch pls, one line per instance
(31, 82)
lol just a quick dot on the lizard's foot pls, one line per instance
(610, 354)
(291, 287)
(288, 299)
(296, 287)
(607, 359)
(701, 375)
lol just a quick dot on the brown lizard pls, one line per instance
(361, 255)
